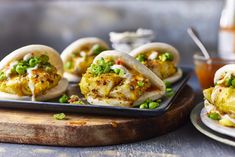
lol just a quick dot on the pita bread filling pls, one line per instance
(111, 78)
(160, 62)
(220, 100)
(81, 59)
(30, 76)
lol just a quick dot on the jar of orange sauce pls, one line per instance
(205, 69)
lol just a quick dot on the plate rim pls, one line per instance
(195, 116)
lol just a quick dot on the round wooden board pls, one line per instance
(32, 127)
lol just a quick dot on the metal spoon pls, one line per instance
(195, 36)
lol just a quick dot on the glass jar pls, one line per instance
(226, 46)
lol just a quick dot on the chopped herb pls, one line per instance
(64, 99)
(233, 83)
(101, 67)
(140, 83)
(214, 116)
(33, 62)
(20, 69)
(97, 49)
(43, 59)
(2, 76)
(116, 70)
(59, 116)
(141, 58)
(68, 65)
(121, 72)
(48, 68)
(228, 82)
(166, 57)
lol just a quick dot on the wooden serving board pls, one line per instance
(32, 127)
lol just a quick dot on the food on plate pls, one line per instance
(78, 56)
(127, 41)
(73, 99)
(220, 99)
(32, 72)
(161, 58)
(117, 79)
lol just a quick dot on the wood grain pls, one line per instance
(86, 130)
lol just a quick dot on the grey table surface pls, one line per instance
(185, 141)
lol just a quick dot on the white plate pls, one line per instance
(200, 126)
(214, 125)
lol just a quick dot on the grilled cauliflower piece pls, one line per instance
(99, 85)
(106, 80)
(162, 69)
(29, 77)
(19, 84)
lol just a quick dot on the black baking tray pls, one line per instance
(101, 110)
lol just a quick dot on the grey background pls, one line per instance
(58, 23)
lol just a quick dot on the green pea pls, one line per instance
(13, 69)
(21, 69)
(158, 100)
(166, 57)
(228, 82)
(153, 105)
(68, 65)
(2, 76)
(169, 89)
(121, 72)
(59, 116)
(44, 59)
(233, 83)
(64, 99)
(116, 71)
(141, 57)
(143, 106)
(140, 83)
(33, 62)
(214, 116)
(48, 69)
(163, 58)
(170, 94)
(168, 84)
(101, 61)
(97, 49)
(169, 56)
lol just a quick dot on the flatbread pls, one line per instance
(133, 63)
(76, 46)
(158, 46)
(37, 50)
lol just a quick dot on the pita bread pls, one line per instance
(37, 50)
(158, 46)
(76, 46)
(132, 63)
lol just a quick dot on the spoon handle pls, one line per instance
(195, 36)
